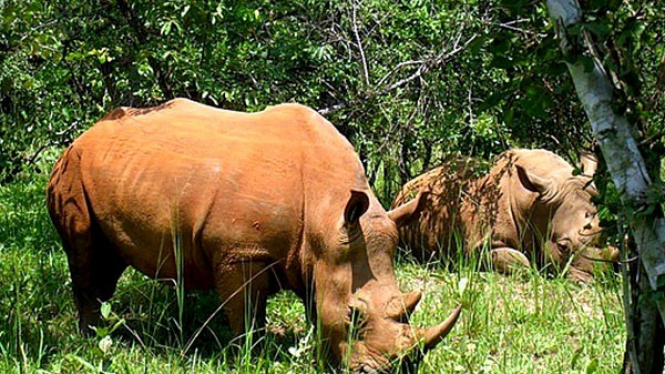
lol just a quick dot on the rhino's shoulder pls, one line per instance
(541, 162)
(533, 156)
(308, 125)
(299, 115)
(291, 108)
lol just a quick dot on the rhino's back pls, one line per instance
(223, 182)
(440, 227)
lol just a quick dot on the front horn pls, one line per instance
(434, 335)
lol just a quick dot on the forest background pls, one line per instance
(410, 83)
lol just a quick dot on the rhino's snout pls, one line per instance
(408, 346)
(406, 364)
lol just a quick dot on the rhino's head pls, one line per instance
(565, 210)
(361, 311)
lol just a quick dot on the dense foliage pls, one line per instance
(410, 82)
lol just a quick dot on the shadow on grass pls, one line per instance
(149, 314)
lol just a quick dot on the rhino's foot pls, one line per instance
(508, 260)
(89, 318)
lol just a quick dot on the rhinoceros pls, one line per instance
(529, 207)
(247, 204)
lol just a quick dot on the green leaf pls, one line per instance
(461, 287)
(502, 62)
(491, 101)
(105, 310)
(576, 357)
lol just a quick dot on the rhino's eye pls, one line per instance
(357, 323)
(357, 315)
(564, 245)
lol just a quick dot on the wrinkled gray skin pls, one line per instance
(259, 202)
(528, 207)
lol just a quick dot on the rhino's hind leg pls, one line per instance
(508, 260)
(93, 264)
(95, 270)
(94, 267)
(243, 289)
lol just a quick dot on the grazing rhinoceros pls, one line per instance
(248, 204)
(529, 206)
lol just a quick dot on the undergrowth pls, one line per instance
(525, 323)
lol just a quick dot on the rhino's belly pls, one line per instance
(160, 254)
(154, 237)
(187, 245)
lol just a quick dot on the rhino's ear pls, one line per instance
(533, 182)
(404, 212)
(356, 207)
(588, 163)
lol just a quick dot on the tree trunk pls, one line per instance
(645, 308)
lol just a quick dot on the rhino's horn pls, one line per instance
(403, 305)
(432, 336)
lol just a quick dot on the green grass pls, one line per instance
(525, 323)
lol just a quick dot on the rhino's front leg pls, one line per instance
(506, 260)
(243, 288)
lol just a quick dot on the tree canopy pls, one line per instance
(410, 83)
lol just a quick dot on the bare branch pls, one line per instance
(424, 68)
(428, 65)
(510, 25)
(398, 67)
(360, 44)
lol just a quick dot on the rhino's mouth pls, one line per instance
(407, 364)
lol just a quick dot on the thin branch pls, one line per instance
(424, 68)
(428, 65)
(398, 67)
(471, 119)
(651, 139)
(509, 26)
(360, 44)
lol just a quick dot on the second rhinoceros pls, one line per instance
(529, 207)
(247, 204)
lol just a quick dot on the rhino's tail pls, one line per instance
(67, 202)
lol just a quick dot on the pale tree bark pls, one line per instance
(644, 319)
